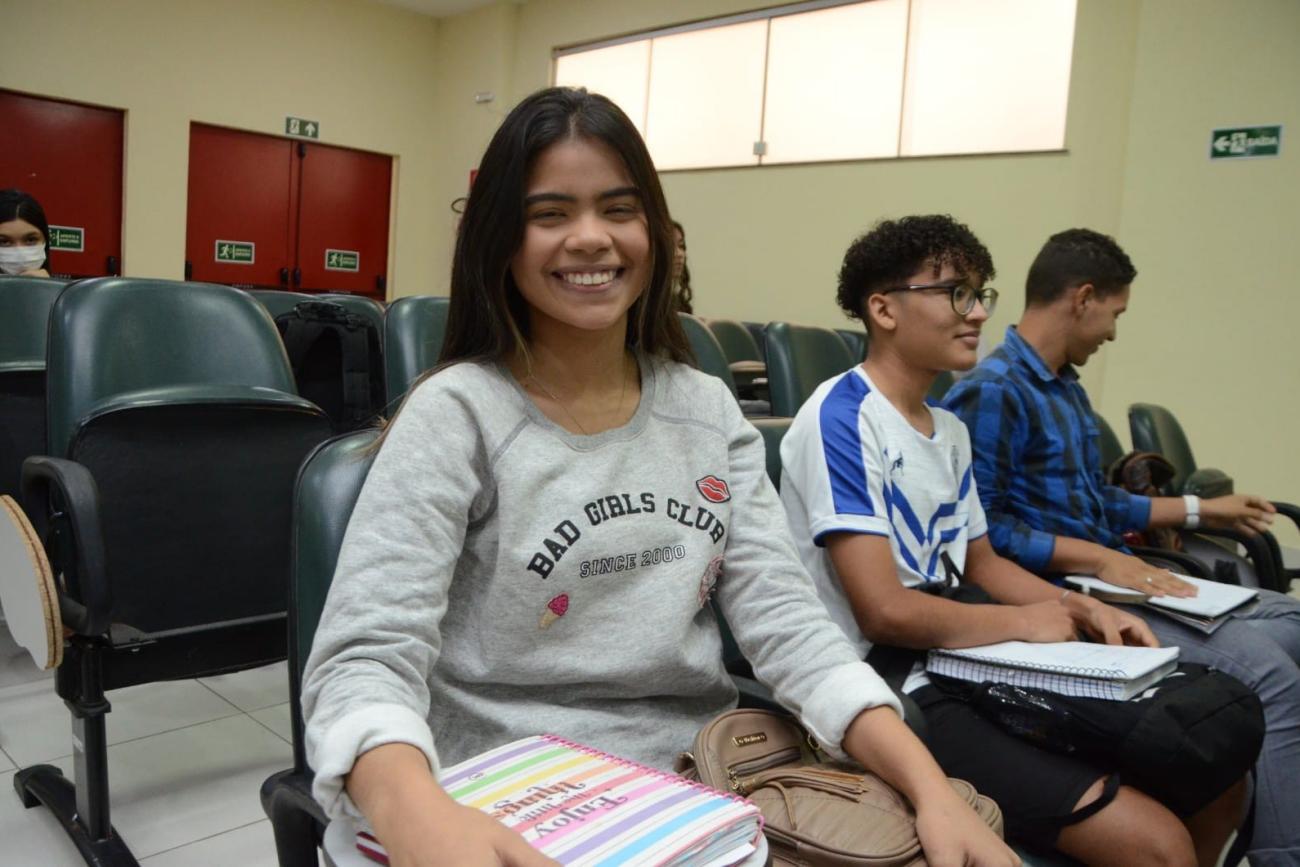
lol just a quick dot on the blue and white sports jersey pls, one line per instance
(851, 463)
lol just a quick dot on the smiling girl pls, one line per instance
(563, 427)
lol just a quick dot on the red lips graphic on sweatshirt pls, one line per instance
(714, 489)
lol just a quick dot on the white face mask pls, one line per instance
(16, 260)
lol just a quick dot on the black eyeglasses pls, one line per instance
(960, 292)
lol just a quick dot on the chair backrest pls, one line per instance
(736, 341)
(25, 304)
(414, 328)
(709, 356)
(855, 340)
(1154, 429)
(114, 335)
(325, 493)
(773, 431)
(1109, 444)
(800, 358)
(758, 330)
(179, 400)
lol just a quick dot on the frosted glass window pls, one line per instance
(987, 77)
(706, 96)
(835, 83)
(619, 72)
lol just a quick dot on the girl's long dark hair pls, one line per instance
(17, 205)
(488, 318)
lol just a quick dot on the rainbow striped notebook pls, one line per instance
(586, 808)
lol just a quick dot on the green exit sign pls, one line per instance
(342, 260)
(70, 238)
(1245, 141)
(301, 127)
(236, 252)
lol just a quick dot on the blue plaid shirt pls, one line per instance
(1037, 461)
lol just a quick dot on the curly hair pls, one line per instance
(894, 250)
(1072, 258)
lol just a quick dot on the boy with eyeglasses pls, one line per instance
(1038, 471)
(879, 493)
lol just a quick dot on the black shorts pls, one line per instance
(1035, 788)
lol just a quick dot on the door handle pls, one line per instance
(284, 276)
(189, 270)
(381, 284)
(112, 267)
(297, 276)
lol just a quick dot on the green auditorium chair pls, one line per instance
(709, 355)
(414, 328)
(743, 357)
(1155, 429)
(326, 492)
(758, 330)
(800, 358)
(855, 340)
(173, 441)
(25, 304)
(1108, 444)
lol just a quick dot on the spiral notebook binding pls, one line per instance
(1021, 665)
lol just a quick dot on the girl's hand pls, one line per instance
(952, 835)
(454, 836)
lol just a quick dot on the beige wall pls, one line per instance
(364, 70)
(1211, 330)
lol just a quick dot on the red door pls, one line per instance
(239, 220)
(343, 220)
(69, 156)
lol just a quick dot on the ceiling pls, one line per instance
(439, 8)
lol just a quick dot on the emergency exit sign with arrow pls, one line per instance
(1243, 142)
(301, 127)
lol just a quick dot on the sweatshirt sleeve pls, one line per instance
(770, 603)
(365, 682)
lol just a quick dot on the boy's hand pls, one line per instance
(1110, 625)
(1125, 570)
(1245, 513)
(1045, 621)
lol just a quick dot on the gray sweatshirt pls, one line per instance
(501, 577)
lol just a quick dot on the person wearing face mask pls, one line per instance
(24, 235)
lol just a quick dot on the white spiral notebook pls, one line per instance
(1075, 668)
(1212, 606)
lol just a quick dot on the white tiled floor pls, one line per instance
(186, 762)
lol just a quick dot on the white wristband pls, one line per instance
(1193, 504)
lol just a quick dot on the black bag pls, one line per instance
(336, 360)
(1184, 741)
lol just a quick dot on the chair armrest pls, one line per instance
(1179, 561)
(65, 490)
(1207, 483)
(1260, 553)
(1287, 510)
